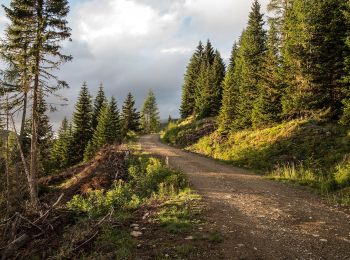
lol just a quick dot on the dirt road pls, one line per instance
(261, 219)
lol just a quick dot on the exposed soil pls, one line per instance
(259, 218)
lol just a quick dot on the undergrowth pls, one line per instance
(149, 182)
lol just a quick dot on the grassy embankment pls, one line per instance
(309, 152)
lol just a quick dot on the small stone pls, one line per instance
(255, 249)
(134, 225)
(166, 255)
(138, 246)
(136, 233)
(240, 245)
(323, 240)
(145, 215)
(315, 235)
(189, 238)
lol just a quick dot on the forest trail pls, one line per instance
(259, 218)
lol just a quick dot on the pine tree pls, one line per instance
(130, 118)
(99, 101)
(150, 121)
(82, 124)
(248, 66)
(60, 156)
(267, 107)
(230, 94)
(189, 88)
(100, 137)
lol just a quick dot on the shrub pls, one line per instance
(342, 173)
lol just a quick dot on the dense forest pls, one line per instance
(281, 106)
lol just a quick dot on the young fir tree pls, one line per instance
(150, 121)
(60, 156)
(82, 124)
(114, 134)
(189, 88)
(99, 101)
(230, 94)
(267, 107)
(248, 66)
(313, 55)
(130, 118)
(217, 75)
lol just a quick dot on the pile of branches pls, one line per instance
(24, 230)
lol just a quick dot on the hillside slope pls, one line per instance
(310, 152)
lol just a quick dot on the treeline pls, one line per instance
(299, 67)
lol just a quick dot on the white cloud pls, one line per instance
(176, 50)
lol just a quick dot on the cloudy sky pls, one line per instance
(134, 45)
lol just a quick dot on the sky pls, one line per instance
(137, 45)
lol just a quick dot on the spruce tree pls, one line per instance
(313, 55)
(230, 94)
(207, 83)
(60, 155)
(189, 88)
(82, 124)
(249, 65)
(267, 107)
(150, 121)
(130, 118)
(217, 75)
(99, 101)
(114, 134)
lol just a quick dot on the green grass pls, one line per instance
(179, 212)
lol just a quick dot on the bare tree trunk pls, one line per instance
(7, 159)
(34, 144)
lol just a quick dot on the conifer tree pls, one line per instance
(99, 101)
(150, 121)
(248, 66)
(130, 118)
(313, 55)
(345, 118)
(44, 136)
(82, 124)
(209, 83)
(189, 88)
(230, 94)
(267, 107)
(60, 155)
(114, 134)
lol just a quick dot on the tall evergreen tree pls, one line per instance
(82, 124)
(99, 101)
(230, 94)
(150, 121)
(267, 107)
(248, 66)
(313, 55)
(209, 83)
(189, 88)
(130, 118)
(60, 156)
